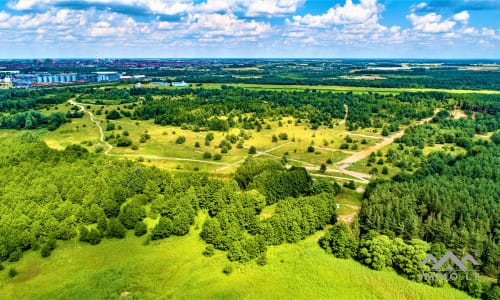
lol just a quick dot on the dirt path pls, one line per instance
(259, 153)
(346, 114)
(349, 218)
(92, 118)
(365, 135)
(345, 163)
(110, 147)
(339, 177)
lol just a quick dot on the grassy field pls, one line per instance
(353, 89)
(175, 269)
(162, 150)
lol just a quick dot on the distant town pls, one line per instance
(34, 73)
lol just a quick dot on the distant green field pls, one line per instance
(176, 269)
(335, 88)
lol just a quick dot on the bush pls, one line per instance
(227, 269)
(110, 126)
(252, 150)
(48, 248)
(113, 115)
(197, 144)
(283, 136)
(218, 156)
(207, 155)
(123, 142)
(115, 229)
(209, 250)
(12, 272)
(262, 259)
(180, 140)
(94, 237)
(140, 228)
(310, 149)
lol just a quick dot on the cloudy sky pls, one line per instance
(250, 28)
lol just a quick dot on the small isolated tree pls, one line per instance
(310, 148)
(274, 139)
(207, 155)
(322, 168)
(385, 170)
(110, 126)
(12, 272)
(252, 150)
(283, 136)
(180, 139)
(217, 156)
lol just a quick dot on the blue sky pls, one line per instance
(250, 28)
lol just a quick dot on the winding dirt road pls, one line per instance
(110, 147)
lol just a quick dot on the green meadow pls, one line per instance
(176, 269)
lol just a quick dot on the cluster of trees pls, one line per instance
(221, 109)
(19, 100)
(450, 199)
(48, 195)
(236, 226)
(33, 120)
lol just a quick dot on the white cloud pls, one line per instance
(167, 7)
(462, 17)
(251, 8)
(367, 11)
(210, 25)
(430, 23)
(272, 7)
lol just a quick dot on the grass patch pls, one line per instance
(176, 268)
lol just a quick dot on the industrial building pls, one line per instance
(107, 76)
(15, 79)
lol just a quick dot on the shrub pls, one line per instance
(12, 272)
(209, 250)
(207, 155)
(110, 126)
(180, 140)
(252, 150)
(140, 228)
(227, 269)
(310, 149)
(283, 136)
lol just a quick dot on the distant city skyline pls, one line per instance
(250, 29)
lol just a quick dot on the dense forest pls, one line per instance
(48, 195)
(438, 202)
